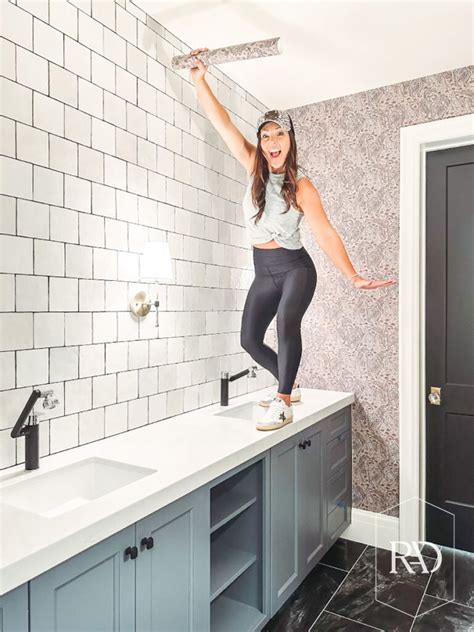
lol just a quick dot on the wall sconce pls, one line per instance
(155, 265)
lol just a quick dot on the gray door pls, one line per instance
(284, 525)
(14, 610)
(93, 591)
(173, 575)
(450, 346)
(310, 492)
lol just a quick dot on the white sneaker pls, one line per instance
(294, 397)
(277, 415)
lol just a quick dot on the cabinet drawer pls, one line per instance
(338, 451)
(338, 487)
(338, 517)
(338, 425)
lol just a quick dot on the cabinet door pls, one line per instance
(14, 610)
(310, 496)
(338, 456)
(93, 591)
(173, 577)
(284, 520)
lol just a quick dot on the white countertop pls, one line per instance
(187, 451)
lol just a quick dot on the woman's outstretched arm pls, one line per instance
(328, 238)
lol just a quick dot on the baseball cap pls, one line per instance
(280, 117)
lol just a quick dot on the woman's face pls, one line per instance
(275, 144)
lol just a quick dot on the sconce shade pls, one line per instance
(155, 262)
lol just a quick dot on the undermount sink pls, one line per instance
(250, 410)
(65, 488)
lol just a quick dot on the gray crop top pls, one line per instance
(284, 228)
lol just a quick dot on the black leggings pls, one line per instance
(284, 284)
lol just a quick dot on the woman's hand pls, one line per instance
(365, 284)
(198, 73)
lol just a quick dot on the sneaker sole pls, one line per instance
(292, 399)
(273, 426)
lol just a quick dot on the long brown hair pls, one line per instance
(260, 178)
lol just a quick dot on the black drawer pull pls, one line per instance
(302, 445)
(131, 551)
(148, 542)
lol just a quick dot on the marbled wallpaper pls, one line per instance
(350, 148)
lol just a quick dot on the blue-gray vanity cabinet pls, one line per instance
(14, 610)
(172, 589)
(297, 513)
(310, 500)
(93, 591)
(151, 576)
(223, 558)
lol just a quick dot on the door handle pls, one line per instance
(435, 396)
(148, 542)
(131, 551)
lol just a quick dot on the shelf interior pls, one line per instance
(228, 506)
(227, 564)
(236, 525)
(230, 615)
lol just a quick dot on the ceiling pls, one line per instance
(331, 48)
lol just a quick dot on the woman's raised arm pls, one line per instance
(238, 145)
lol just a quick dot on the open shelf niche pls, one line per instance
(236, 552)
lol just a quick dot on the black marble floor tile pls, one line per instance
(398, 594)
(308, 600)
(343, 554)
(353, 607)
(451, 617)
(460, 566)
(329, 622)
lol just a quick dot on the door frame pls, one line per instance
(415, 142)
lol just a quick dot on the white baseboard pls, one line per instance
(362, 529)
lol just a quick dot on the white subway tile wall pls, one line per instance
(104, 147)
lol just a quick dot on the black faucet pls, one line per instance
(31, 430)
(225, 379)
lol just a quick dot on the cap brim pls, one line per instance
(288, 129)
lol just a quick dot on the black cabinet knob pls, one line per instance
(147, 542)
(131, 551)
(302, 445)
(308, 442)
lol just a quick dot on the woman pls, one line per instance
(278, 195)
